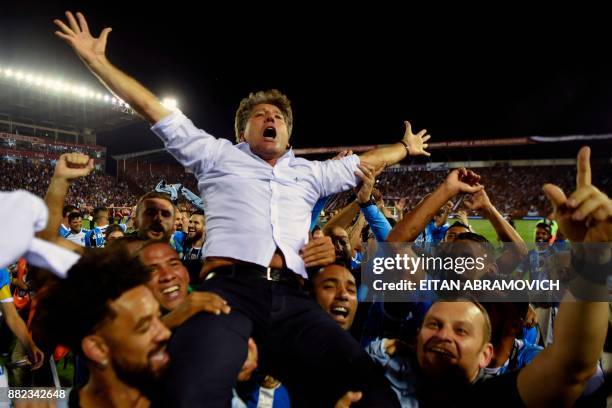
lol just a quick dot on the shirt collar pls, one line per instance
(244, 146)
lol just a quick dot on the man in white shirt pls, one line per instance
(258, 198)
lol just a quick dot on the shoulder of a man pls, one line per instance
(194, 148)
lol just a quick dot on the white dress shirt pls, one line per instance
(251, 207)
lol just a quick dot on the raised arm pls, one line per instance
(411, 225)
(69, 166)
(581, 325)
(91, 51)
(411, 144)
(514, 253)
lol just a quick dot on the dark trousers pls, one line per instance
(299, 344)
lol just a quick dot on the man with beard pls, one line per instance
(193, 256)
(104, 312)
(179, 235)
(154, 217)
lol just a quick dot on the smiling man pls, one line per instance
(104, 312)
(335, 290)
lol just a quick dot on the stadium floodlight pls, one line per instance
(26, 78)
(170, 103)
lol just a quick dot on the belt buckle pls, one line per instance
(268, 273)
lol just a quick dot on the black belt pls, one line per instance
(249, 270)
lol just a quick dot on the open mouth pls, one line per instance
(270, 132)
(159, 356)
(170, 290)
(441, 351)
(339, 312)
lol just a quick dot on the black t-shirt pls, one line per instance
(499, 392)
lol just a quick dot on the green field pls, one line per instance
(483, 227)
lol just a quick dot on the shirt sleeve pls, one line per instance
(337, 175)
(195, 149)
(378, 222)
(377, 352)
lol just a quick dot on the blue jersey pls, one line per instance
(435, 234)
(63, 231)
(5, 286)
(177, 241)
(260, 397)
(522, 354)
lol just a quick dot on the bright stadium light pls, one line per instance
(170, 103)
(31, 79)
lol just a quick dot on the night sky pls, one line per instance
(353, 75)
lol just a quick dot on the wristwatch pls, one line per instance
(368, 203)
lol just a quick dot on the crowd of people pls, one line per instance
(517, 190)
(254, 302)
(98, 189)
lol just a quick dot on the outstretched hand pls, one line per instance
(76, 33)
(417, 143)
